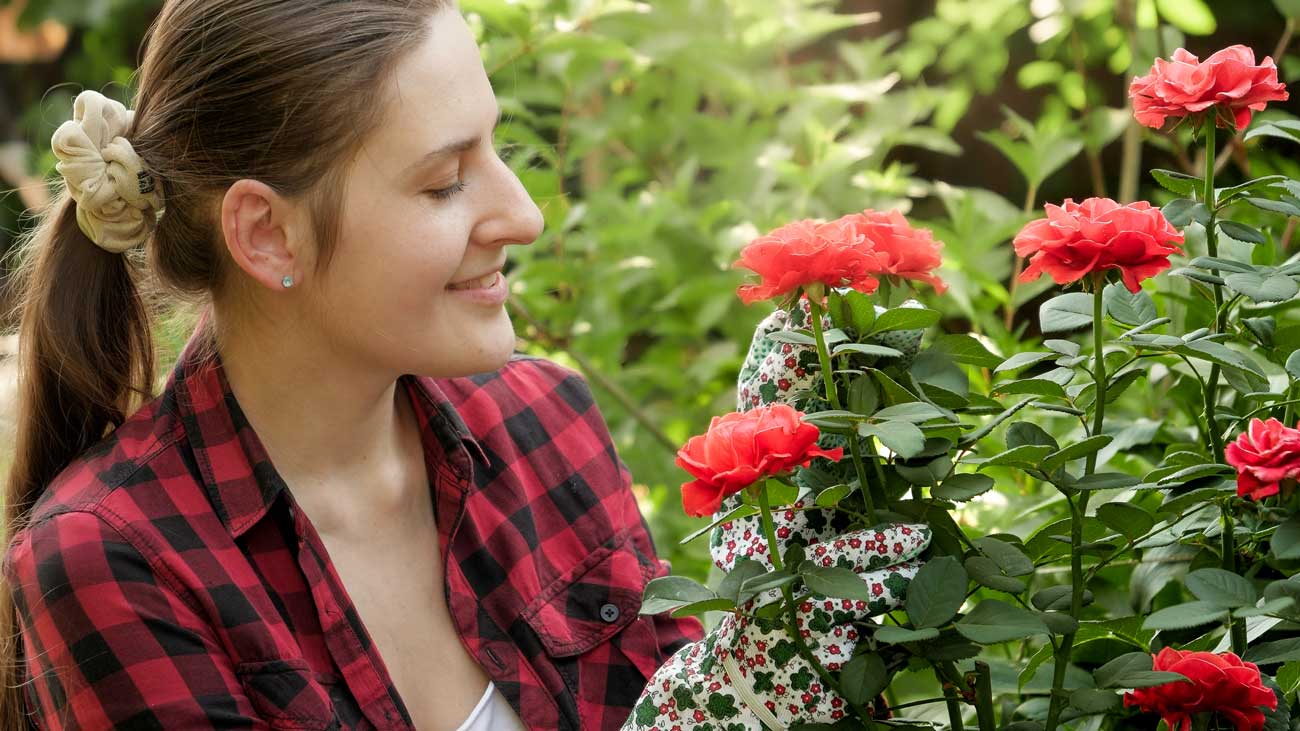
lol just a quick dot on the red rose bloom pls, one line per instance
(903, 252)
(1265, 455)
(1222, 684)
(742, 448)
(1077, 239)
(806, 252)
(1229, 79)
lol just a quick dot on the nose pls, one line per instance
(513, 217)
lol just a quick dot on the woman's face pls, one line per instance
(428, 205)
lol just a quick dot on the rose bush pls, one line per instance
(930, 432)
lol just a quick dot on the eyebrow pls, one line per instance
(451, 148)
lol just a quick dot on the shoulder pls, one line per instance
(125, 491)
(123, 458)
(528, 399)
(524, 378)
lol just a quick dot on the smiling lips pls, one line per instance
(483, 282)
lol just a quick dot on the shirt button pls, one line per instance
(609, 612)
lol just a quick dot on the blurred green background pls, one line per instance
(660, 137)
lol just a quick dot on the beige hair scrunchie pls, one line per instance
(117, 199)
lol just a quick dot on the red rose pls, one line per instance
(806, 252)
(1265, 455)
(1077, 239)
(1229, 80)
(1222, 684)
(742, 448)
(903, 252)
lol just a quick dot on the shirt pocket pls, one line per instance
(589, 626)
(285, 693)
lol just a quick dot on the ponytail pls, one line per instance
(85, 361)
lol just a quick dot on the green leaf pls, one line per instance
(1285, 207)
(1218, 264)
(1020, 360)
(1293, 365)
(1105, 481)
(770, 580)
(866, 349)
(936, 592)
(905, 318)
(831, 496)
(1178, 183)
(1242, 232)
(1057, 597)
(1185, 616)
(1075, 451)
(986, 573)
(897, 635)
(1261, 287)
(670, 592)
(863, 397)
(1128, 307)
(1182, 211)
(1126, 519)
(1222, 589)
(1008, 557)
(1026, 432)
(745, 569)
(836, 582)
(1286, 540)
(863, 678)
(744, 511)
(1028, 456)
(915, 411)
(1218, 353)
(1066, 312)
(791, 336)
(962, 487)
(1133, 670)
(902, 438)
(965, 349)
(695, 609)
(992, 621)
(1035, 386)
(1267, 653)
(1092, 700)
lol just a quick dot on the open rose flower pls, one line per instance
(902, 252)
(1265, 455)
(740, 449)
(1078, 239)
(806, 252)
(1229, 80)
(1220, 683)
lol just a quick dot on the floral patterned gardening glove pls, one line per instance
(747, 673)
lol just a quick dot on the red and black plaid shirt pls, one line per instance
(166, 580)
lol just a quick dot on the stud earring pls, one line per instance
(287, 281)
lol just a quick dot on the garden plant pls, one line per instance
(859, 436)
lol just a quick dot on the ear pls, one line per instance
(262, 231)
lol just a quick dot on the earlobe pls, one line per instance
(256, 224)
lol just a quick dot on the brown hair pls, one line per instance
(281, 91)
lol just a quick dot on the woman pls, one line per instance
(297, 534)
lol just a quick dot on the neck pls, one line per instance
(339, 431)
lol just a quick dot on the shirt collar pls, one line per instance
(237, 472)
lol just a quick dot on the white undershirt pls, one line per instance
(493, 713)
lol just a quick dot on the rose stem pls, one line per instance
(1236, 628)
(1080, 509)
(828, 378)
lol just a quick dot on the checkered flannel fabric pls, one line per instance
(167, 579)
